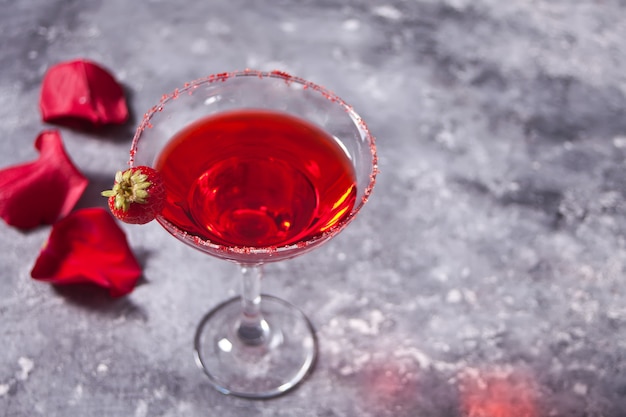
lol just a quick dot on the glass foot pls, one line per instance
(263, 370)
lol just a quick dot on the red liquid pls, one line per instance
(256, 178)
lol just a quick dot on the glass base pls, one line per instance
(268, 369)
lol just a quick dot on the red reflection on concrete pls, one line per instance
(498, 392)
(389, 385)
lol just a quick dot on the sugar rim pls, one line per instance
(201, 243)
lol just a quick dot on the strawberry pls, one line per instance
(138, 195)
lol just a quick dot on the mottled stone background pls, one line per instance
(484, 279)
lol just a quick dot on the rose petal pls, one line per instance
(81, 93)
(42, 191)
(88, 246)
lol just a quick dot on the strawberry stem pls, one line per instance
(130, 187)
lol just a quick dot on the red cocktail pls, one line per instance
(256, 178)
(258, 167)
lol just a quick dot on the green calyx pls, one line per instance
(130, 187)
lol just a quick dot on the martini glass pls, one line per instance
(258, 167)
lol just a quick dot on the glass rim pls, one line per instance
(201, 243)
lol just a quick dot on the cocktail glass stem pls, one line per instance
(255, 346)
(252, 329)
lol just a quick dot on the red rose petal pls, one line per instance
(88, 246)
(42, 191)
(80, 92)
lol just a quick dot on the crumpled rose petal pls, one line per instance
(88, 246)
(41, 191)
(81, 94)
